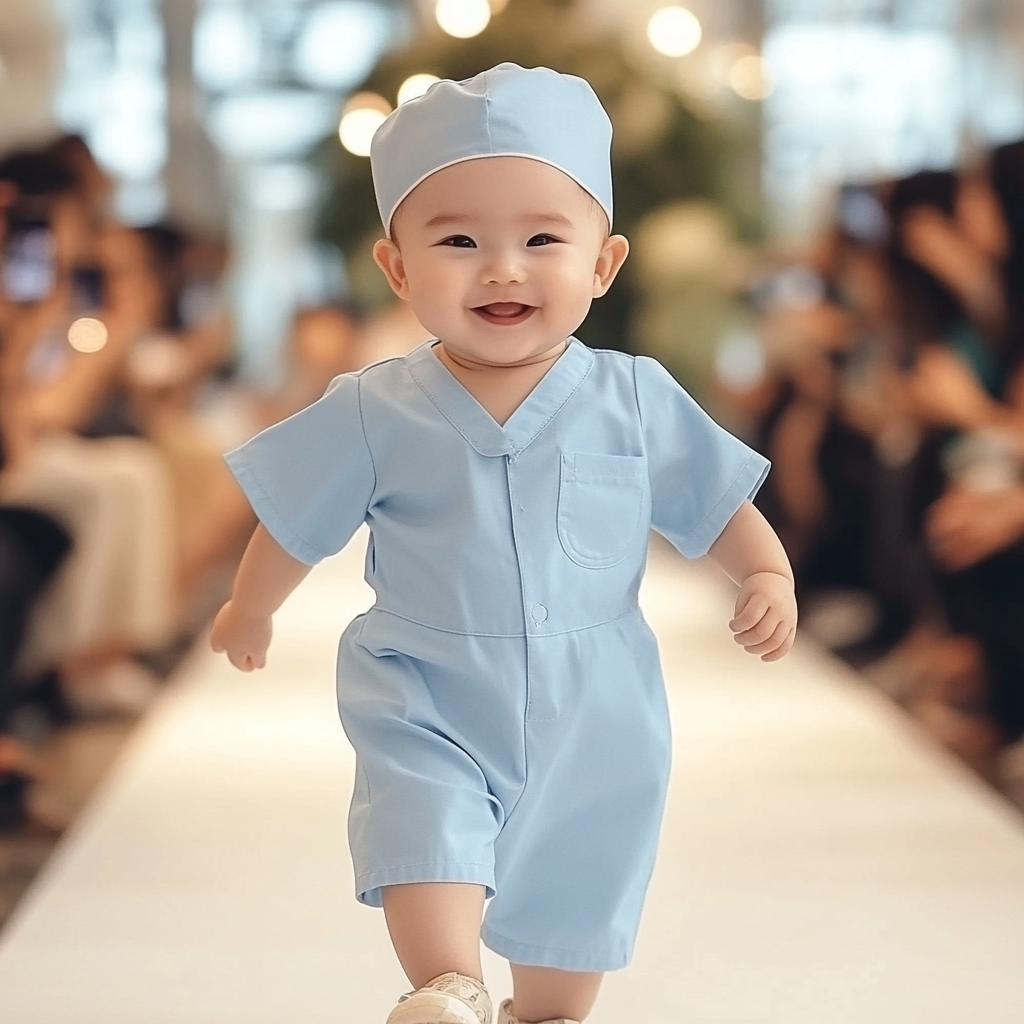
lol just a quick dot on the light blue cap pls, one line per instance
(506, 111)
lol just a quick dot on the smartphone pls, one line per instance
(29, 270)
(88, 289)
(862, 214)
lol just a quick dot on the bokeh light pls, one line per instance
(341, 41)
(751, 78)
(415, 85)
(87, 334)
(674, 31)
(362, 116)
(722, 58)
(225, 47)
(463, 18)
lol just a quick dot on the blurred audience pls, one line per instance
(105, 333)
(895, 420)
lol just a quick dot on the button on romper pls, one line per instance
(504, 695)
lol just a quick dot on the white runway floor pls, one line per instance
(820, 863)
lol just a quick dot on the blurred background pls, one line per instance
(825, 200)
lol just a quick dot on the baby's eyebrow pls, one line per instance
(446, 218)
(450, 219)
(550, 218)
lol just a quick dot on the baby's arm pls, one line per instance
(266, 576)
(750, 553)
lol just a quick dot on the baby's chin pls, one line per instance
(504, 353)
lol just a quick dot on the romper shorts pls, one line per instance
(537, 771)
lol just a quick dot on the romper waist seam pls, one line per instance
(376, 609)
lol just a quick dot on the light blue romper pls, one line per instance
(504, 695)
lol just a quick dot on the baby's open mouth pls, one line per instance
(504, 312)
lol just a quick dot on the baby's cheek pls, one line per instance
(431, 293)
(569, 283)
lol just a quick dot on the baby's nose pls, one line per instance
(504, 268)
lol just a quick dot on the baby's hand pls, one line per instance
(245, 638)
(765, 619)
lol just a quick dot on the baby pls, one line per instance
(503, 695)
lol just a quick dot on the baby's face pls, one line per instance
(500, 257)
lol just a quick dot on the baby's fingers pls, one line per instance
(785, 647)
(241, 661)
(760, 631)
(750, 613)
(774, 640)
(246, 662)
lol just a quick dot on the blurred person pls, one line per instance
(324, 342)
(898, 469)
(32, 546)
(94, 186)
(976, 529)
(182, 346)
(1006, 182)
(855, 470)
(795, 428)
(46, 234)
(112, 597)
(953, 254)
(954, 314)
(178, 344)
(977, 539)
(842, 442)
(972, 524)
(8, 195)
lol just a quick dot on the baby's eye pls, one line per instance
(542, 240)
(458, 242)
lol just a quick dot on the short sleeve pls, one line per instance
(700, 474)
(310, 477)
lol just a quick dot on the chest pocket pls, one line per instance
(600, 501)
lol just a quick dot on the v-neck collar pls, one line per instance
(475, 423)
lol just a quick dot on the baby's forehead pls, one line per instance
(499, 189)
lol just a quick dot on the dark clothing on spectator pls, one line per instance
(987, 602)
(32, 547)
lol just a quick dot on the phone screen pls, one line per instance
(862, 214)
(29, 270)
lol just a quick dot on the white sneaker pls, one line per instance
(449, 999)
(506, 1016)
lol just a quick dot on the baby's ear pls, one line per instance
(609, 261)
(388, 257)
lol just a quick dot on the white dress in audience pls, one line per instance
(114, 497)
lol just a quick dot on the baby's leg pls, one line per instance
(544, 993)
(435, 928)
